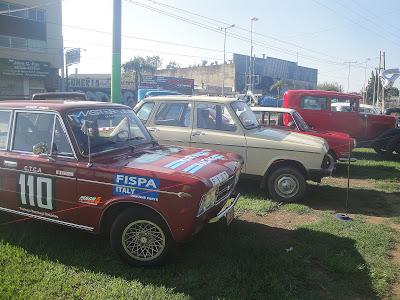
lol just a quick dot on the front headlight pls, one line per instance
(207, 201)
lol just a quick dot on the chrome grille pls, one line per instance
(225, 189)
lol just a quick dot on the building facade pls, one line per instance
(31, 47)
(207, 79)
(267, 70)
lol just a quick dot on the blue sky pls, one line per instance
(324, 34)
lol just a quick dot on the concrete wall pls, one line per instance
(205, 75)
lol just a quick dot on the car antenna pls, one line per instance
(345, 216)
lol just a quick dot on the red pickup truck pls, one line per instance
(370, 130)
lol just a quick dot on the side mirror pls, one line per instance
(40, 148)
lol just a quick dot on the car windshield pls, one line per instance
(245, 115)
(108, 129)
(300, 122)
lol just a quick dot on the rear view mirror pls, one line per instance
(40, 148)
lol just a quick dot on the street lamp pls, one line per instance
(253, 19)
(223, 69)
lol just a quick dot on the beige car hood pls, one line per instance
(285, 140)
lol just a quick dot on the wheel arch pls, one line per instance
(112, 211)
(276, 164)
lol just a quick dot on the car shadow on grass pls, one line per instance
(246, 261)
(361, 201)
(377, 172)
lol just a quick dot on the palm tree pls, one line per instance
(277, 86)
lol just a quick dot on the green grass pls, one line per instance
(297, 208)
(326, 259)
(256, 204)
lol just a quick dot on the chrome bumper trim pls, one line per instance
(225, 210)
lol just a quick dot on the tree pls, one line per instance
(277, 86)
(392, 92)
(204, 62)
(141, 65)
(172, 65)
(330, 86)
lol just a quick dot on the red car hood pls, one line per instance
(330, 133)
(203, 164)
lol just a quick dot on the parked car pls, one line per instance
(94, 166)
(281, 160)
(395, 112)
(340, 144)
(60, 96)
(363, 109)
(370, 130)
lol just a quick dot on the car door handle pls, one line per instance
(196, 133)
(10, 164)
(153, 129)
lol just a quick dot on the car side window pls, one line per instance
(61, 144)
(314, 103)
(343, 105)
(173, 114)
(214, 116)
(4, 128)
(32, 128)
(145, 111)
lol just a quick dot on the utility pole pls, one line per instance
(253, 19)
(223, 68)
(375, 80)
(383, 88)
(348, 75)
(365, 81)
(116, 54)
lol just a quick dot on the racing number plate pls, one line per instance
(230, 214)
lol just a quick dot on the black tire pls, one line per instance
(394, 145)
(286, 178)
(126, 230)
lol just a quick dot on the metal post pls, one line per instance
(348, 75)
(374, 93)
(66, 78)
(116, 54)
(223, 67)
(365, 81)
(383, 88)
(251, 52)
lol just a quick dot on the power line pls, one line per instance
(357, 23)
(235, 35)
(365, 18)
(241, 28)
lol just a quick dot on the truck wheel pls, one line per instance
(394, 145)
(286, 184)
(140, 238)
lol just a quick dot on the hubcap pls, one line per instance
(286, 186)
(143, 240)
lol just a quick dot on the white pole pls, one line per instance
(223, 67)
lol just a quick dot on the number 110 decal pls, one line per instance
(36, 191)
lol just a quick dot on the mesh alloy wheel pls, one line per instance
(143, 240)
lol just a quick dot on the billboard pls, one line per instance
(177, 84)
(26, 68)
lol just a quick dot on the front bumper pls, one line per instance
(229, 206)
(326, 169)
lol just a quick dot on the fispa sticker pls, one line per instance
(141, 187)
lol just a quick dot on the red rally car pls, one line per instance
(94, 166)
